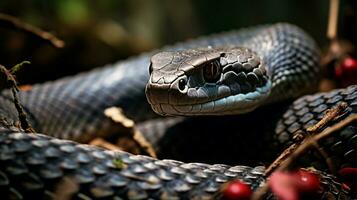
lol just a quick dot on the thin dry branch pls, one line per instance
(32, 29)
(333, 20)
(309, 143)
(24, 123)
(329, 116)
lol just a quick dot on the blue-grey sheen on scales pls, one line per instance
(231, 73)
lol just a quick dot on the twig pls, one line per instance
(17, 67)
(330, 115)
(283, 156)
(24, 123)
(335, 127)
(22, 114)
(10, 73)
(333, 20)
(307, 144)
(32, 29)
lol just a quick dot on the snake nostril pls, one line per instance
(182, 84)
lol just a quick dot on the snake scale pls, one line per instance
(270, 63)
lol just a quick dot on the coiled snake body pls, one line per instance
(235, 73)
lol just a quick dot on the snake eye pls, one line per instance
(212, 72)
(182, 84)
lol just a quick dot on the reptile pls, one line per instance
(231, 73)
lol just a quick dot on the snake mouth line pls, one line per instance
(239, 103)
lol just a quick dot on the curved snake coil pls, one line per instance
(35, 165)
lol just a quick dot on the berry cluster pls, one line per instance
(284, 185)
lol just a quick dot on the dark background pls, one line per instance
(97, 32)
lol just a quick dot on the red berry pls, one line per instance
(347, 71)
(307, 182)
(236, 190)
(294, 185)
(349, 64)
(283, 186)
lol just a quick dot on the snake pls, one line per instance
(213, 83)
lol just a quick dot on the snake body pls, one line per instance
(72, 108)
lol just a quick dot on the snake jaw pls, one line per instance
(164, 100)
(234, 104)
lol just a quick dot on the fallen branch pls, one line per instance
(32, 29)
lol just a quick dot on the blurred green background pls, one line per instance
(97, 32)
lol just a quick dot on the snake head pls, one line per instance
(207, 81)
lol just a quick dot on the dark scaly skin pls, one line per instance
(30, 167)
(33, 166)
